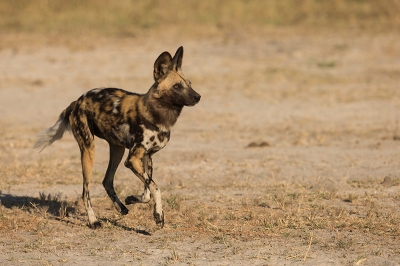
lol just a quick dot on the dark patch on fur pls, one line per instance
(162, 135)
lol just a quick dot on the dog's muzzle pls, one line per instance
(197, 97)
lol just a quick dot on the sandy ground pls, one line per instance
(291, 157)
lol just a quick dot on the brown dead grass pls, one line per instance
(325, 220)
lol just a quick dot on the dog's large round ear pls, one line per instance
(162, 65)
(177, 59)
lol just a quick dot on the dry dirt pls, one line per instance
(292, 156)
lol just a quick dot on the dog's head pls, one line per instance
(172, 87)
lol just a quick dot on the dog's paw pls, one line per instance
(159, 219)
(132, 200)
(124, 211)
(95, 225)
(121, 208)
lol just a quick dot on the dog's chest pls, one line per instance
(155, 140)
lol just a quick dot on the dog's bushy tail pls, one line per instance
(56, 132)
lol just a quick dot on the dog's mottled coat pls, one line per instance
(140, 123)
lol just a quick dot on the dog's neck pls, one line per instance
(159, 113)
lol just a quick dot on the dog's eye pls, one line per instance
(177, 86)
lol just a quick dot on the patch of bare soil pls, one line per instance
(291, 156)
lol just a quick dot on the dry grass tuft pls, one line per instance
(281, 211)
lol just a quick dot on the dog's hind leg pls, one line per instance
(87, 158)
(84, 137)
(116, 154)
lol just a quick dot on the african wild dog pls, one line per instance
(140, 123)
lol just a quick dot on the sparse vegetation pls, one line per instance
(309, 211)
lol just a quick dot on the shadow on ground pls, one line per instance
(52, 206)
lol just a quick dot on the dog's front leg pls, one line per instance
(141, 164)
(146, 196)
(155, 192)
(148, 168)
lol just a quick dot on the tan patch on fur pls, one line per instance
(135, 162)
(128, 103)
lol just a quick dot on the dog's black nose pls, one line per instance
(197, 97)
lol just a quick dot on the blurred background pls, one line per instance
(130, 17)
